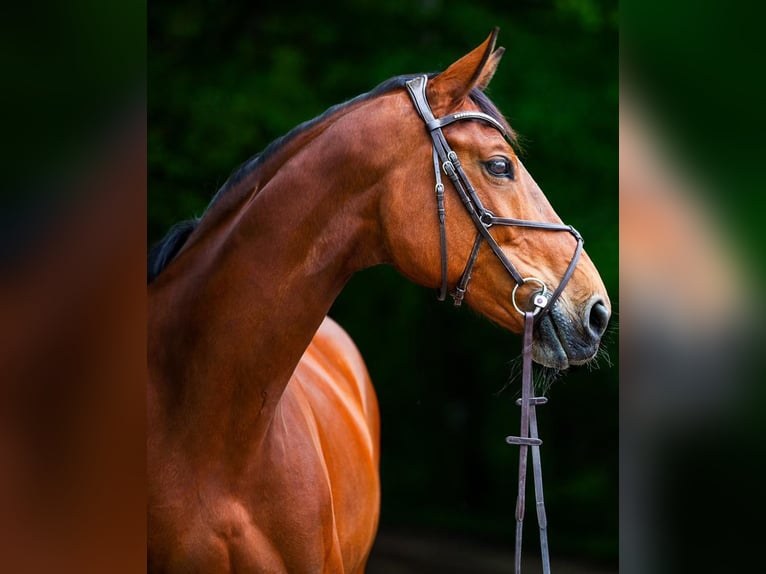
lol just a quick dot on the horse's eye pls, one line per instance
(500, 167)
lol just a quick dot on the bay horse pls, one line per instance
(263, 424)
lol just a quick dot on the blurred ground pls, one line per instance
(422, 552)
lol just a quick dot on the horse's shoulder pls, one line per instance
(333, 367)
(335, 348)
(330, 334)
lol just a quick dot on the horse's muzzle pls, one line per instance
(561, 340)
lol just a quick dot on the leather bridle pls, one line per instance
(445, 159)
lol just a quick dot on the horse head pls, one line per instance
(525, 249)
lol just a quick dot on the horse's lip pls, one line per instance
(553, 348)
(549, 349)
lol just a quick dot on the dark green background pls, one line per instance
(224, 79)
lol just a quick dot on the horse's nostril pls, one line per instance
(596, 319)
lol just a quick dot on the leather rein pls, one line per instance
(446, 160)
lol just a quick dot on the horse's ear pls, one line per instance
(474, 70)
(489, 68)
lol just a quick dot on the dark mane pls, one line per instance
(163, 252)
(488, 107)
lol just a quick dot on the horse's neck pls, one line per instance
(240, 305)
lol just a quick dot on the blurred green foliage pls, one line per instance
(227, 78)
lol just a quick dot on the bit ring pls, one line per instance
(540, 300)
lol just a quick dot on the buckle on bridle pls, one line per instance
(458, 295)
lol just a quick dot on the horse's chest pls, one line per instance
(273, 521)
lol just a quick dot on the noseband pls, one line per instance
(446, 159)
